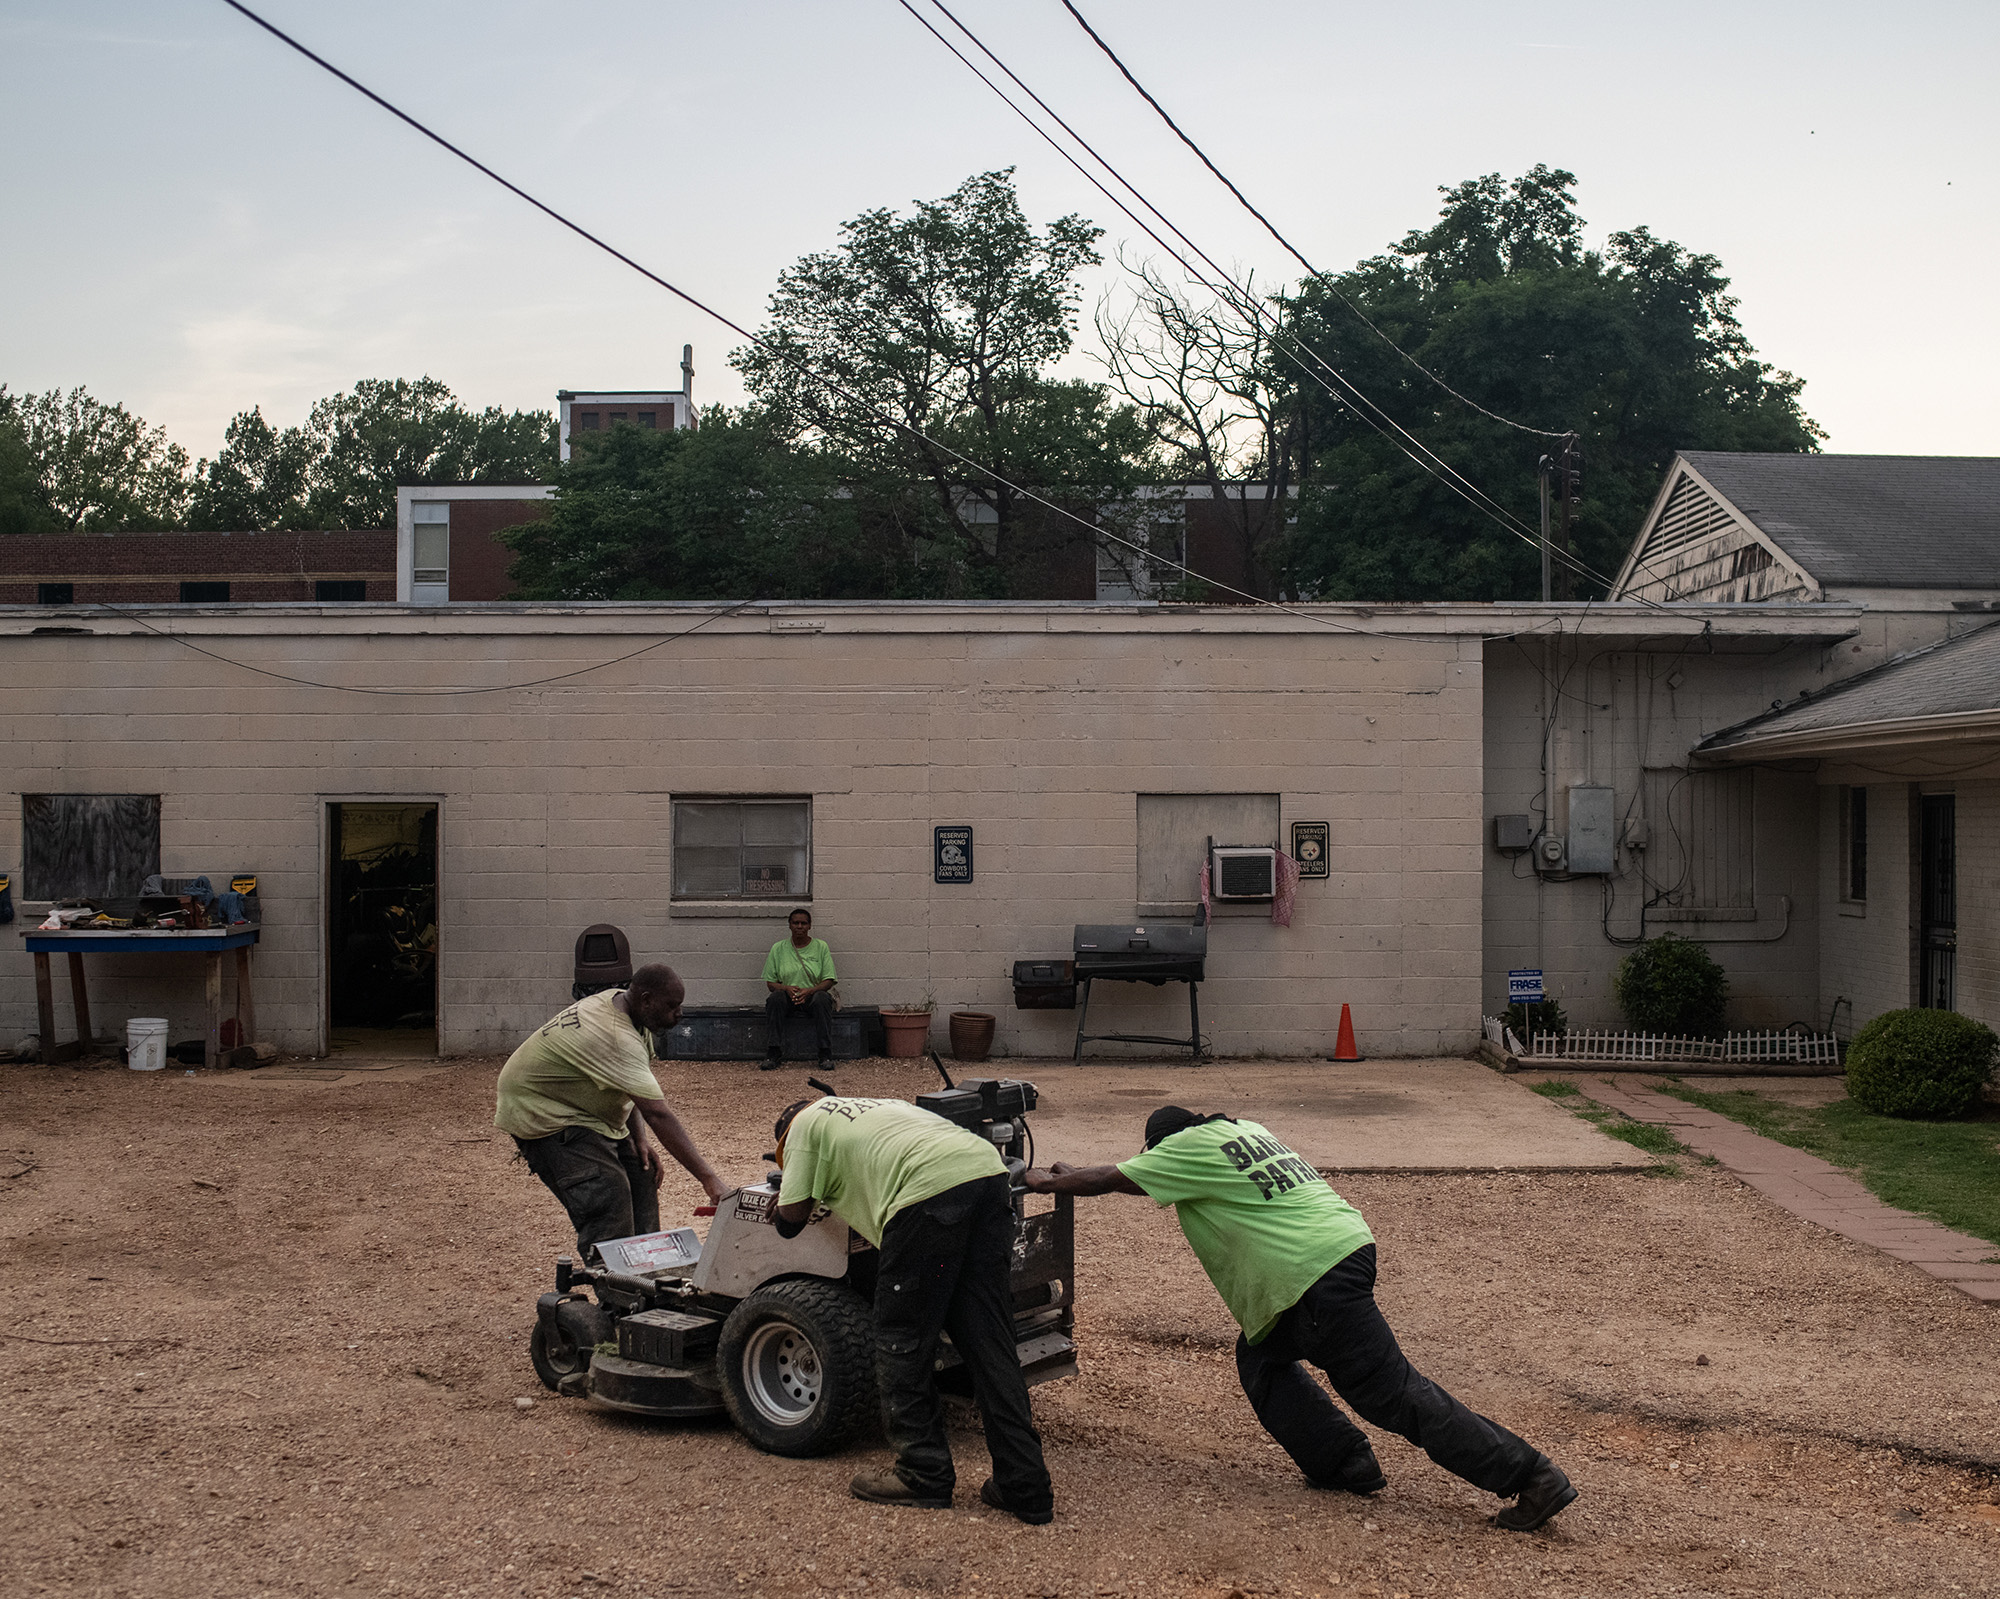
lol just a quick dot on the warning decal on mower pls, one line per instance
(648, 1252)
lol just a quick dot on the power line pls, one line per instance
(1239, 296)
(424, 693)
(832, 387)
(1271, 228)
(1301, 354)
(762, 343)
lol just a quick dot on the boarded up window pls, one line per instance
(88, 846)
(1174, 830)
(1703, 854)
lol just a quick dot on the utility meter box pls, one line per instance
(1514, 835)
(1591, 832)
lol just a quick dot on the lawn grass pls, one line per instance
(1947, 1170)
(1640, 1135)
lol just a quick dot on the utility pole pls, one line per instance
(1570, 467)
(1542, 472)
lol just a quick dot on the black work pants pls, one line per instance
(601, 1182)
(779, 1009)
(945, 1267)
(1337, 1327)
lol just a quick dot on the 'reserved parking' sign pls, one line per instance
(1524, 987)
(951, 854)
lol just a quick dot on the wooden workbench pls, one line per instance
(78, 942)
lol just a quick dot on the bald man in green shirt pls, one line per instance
(1295, 1264)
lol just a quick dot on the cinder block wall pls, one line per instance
(1036, 726)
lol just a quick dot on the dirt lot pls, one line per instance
(317, 1298)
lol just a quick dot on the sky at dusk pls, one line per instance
(200, 221)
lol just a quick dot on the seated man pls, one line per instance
(934, 1199)
(1295, 1264)
(799, 973)
(577, 1098)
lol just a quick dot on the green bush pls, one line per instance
(1920, 1063)
(1672, 985)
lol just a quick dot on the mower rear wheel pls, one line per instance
(580, 1327)
(797, 1362)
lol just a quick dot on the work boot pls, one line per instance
(773, 1059)
(886, 1488)
(1548, 1490)
(989, 1494)
(1360, 1474)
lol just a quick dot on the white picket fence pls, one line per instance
(1769, 1046)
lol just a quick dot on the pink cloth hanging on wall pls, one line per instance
(1288, 891)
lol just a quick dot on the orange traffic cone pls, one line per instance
(1343, 1044)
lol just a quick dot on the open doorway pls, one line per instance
(382, 932)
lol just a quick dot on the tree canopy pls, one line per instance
(72, 463)
(908, 434)
(722, 511)
(934, 333)
(1637, 349)
(340, 467)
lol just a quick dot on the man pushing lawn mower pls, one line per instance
(935, 1200)
(1295, 1264)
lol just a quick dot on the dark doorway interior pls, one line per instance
(382, 936)
(1938, 952)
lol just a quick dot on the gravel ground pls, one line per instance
(318, 1299)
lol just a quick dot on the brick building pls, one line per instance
(197, 568)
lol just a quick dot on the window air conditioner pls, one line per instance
(1242, 872)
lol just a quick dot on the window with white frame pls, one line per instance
(430, 550)
(742, 848)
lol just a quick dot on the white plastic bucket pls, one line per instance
(146, 1043)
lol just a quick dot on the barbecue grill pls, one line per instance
(1155, 954)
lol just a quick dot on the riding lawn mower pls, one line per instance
(780, 1333)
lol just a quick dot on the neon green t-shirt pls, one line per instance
(800, 968)
(866, 1159)
(1264, 1225)
(582, 1068)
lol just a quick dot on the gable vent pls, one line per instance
(1691, 514)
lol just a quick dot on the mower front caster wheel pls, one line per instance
(580, 1328)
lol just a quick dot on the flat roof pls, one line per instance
(1632, 624)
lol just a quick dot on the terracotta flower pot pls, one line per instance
(971, 1034)
(907, 1032)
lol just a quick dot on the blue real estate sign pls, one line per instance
(1524, 987)
(951, 854)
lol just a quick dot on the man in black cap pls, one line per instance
(1295, 1264)
(933, 1198)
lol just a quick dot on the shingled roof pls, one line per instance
(1945, 691)
(1870, 521)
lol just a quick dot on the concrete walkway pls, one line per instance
(1369, 1116)
(1812, 1189)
